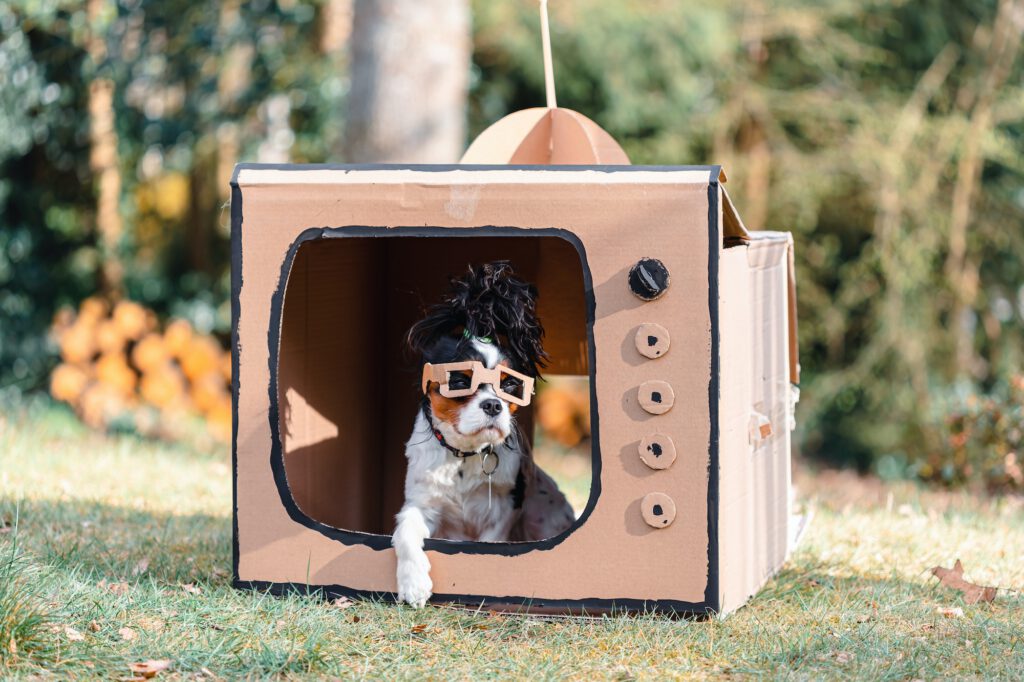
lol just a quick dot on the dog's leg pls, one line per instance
(413, 527)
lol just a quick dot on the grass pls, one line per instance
(124, 555)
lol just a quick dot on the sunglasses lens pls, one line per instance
(512, 385)
(459, 381)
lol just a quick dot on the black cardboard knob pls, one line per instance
(648, 279)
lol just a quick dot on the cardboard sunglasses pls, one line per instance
(479, 374)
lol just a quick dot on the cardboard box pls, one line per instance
(331, 265)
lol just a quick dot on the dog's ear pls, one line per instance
(497, 303)
(439, 321)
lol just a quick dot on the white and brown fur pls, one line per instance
(450, 497)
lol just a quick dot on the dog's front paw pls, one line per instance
(414, 584)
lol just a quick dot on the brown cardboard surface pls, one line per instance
(618, 218)
(542, 136)
(754, 473)
(347, 387)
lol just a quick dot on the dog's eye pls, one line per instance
(459, 381)
(512, 386)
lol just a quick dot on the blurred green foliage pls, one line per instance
(197, 87)
(886, 135)
(854, 125)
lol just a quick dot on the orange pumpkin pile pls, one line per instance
(563, 410)
(118, 366)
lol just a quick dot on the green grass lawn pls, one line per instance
(124, 552)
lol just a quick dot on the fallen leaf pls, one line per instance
(843, 657)
(127, 634)
(73, 634)
(950, 611)
(191, 588)
(94, 626)
(863, 618)
(113, 588)
(355, 619)
(150, 624)
(141, 567)
(150, 668)
(954, 578)
(343, 603)
(12, 646)
(416, 629)
(206, 671)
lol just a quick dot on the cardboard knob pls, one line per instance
(658, 510)
(656, 397)
(648, 279)
(657, 451)
(652, 340)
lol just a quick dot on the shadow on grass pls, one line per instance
(98, 541)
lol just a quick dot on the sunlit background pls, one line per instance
(886, 136)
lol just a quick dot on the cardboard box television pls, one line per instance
(690, 390)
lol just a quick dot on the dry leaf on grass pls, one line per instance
(150, 624)
(416, 629)
(113, 588)
(141, 567)
(94, 626)
(343, 603)
(191, 588)
(127, 634)
(950, 611)
(150, 668)
(73, 634)
(954, 578)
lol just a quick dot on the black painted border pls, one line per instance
(711, 592)
(383, 542)
(711, 598)
(585, 606)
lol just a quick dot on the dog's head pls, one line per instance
(481, 348)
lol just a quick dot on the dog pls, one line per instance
(470, 473)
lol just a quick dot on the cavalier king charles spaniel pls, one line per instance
(470, 474)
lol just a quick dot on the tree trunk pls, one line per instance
(410, 74)
(103, 157)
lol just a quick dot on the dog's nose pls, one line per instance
(491, 407)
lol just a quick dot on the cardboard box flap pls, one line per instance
(734, 232)
(768, 249)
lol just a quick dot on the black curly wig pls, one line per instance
(487, 302)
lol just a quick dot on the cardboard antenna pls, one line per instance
(545, 135)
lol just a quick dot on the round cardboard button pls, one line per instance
(657, 451)
(652, 340)
(656, 397)
(658, 510)
(648, 279)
